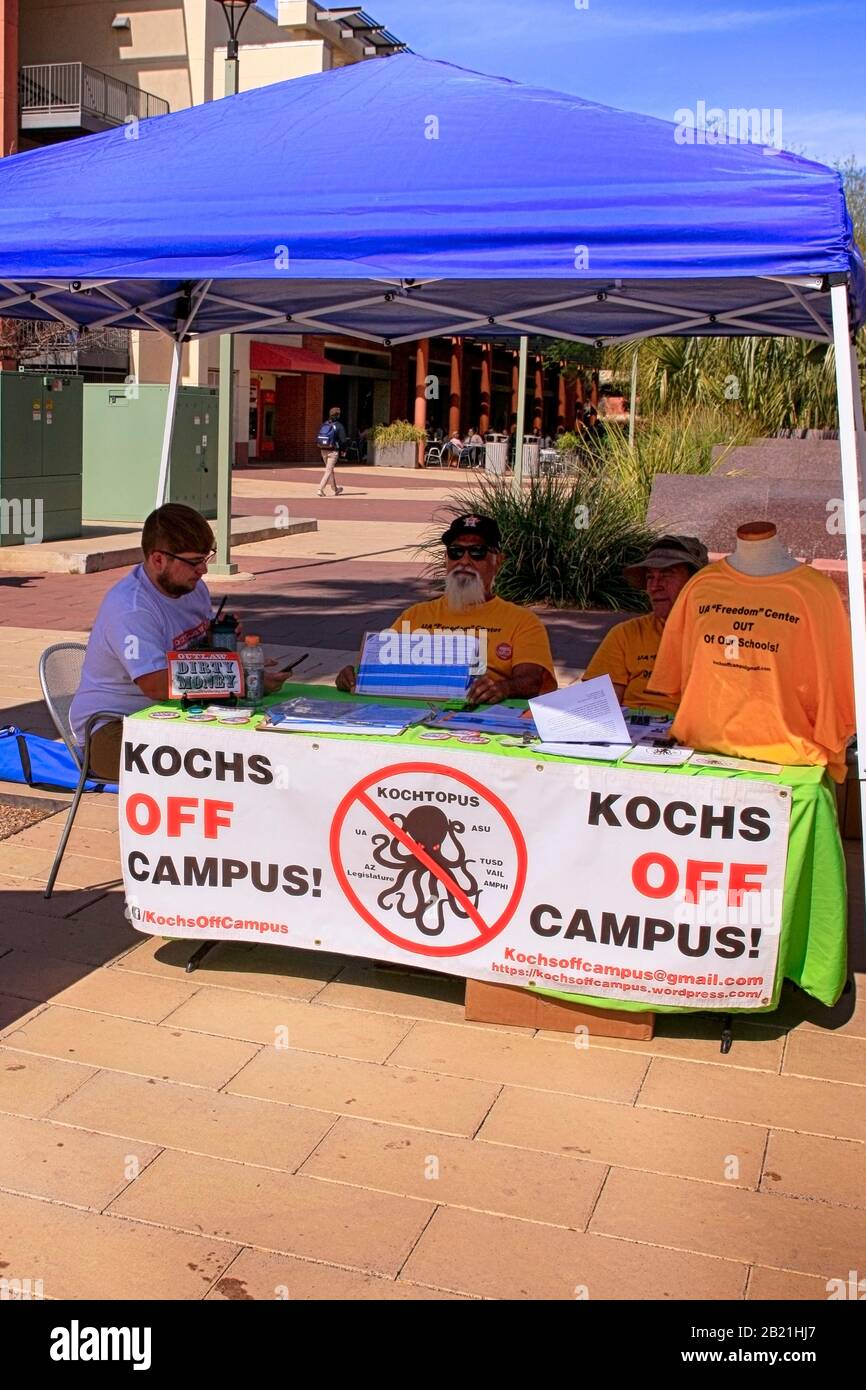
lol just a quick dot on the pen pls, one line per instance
(296, 663)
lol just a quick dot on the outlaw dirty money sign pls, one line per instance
(212, 674)
(661, 890)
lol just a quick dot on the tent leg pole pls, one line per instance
(520, 425)
(168, 428)
(223, 564)
(859, 426)
(846, 387)
(632, 400)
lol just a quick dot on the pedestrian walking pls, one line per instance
(331, 439)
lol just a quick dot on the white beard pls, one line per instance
(464, 591)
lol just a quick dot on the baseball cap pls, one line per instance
(666, 552)
(474, 524)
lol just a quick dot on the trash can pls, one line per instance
(496, 456)
(531, 450)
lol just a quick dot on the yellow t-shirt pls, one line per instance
(627, 654)
(762, 666)
(512, 634)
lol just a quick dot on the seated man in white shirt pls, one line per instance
(162, 605)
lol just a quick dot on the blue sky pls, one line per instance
(805, 57)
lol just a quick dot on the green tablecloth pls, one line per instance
(813, 944)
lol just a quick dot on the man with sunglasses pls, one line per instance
(162, 605)
(518, 661)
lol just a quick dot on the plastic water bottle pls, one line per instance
(253, 662)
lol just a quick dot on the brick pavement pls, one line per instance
(155, 1144)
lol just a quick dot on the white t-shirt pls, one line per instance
(135, 626)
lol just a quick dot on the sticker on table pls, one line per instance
(164, 714)
(429, 857)
(473, 738)
(434, 735)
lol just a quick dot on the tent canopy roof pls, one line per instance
(355, 201)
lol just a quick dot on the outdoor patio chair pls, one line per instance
(60, 676)
(433, 454)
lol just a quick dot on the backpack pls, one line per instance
(327, 436)
(39, 762)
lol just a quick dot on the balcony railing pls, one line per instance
(55, 95)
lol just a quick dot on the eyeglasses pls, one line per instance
(195, 564)
(475, 552)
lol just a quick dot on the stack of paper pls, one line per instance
(487, 719)
(425, 665)
(586, 712)
(642, 726)
(304, 715)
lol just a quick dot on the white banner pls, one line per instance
(655, 888)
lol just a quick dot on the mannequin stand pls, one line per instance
(759, 551)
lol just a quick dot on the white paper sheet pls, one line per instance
(586, 712)
(645, 755)
(733, 764)
(594, 752)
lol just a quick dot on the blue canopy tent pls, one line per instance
(356, 201)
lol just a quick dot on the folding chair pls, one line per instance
(60, 676)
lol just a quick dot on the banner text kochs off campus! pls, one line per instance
(656, 888)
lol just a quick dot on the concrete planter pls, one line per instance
(394, 455)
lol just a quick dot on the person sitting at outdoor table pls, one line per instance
(453, 449)
(518, 657)
(627, 654)
(475, 442)
(162, 605)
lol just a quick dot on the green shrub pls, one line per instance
(569, 443)
(565, 539)
(678, 442)
(399, 432)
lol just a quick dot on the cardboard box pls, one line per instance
(523, 1008)
(848, 801)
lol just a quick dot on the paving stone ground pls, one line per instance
(154, 1143)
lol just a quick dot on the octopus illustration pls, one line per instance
(416, 887)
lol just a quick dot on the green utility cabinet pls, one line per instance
(40, 457)
(123, 429)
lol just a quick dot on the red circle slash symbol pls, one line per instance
(482, 931)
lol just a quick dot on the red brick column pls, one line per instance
(8, 76)
(570, 402)
(400, 383)
(299, 405)
(561, 399)
(538, 403)
(486, 387)
(422, 363)
(455, 390)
